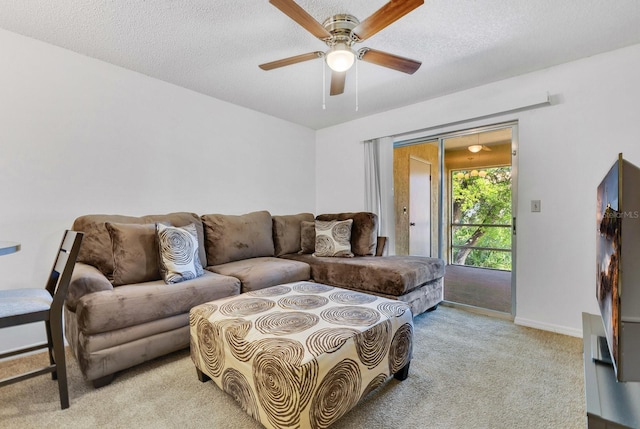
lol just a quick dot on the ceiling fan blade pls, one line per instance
(337, 82)
(387, 14)
(299, 15)
(291, 60)
(384, 59)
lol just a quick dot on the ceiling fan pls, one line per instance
(340, 33)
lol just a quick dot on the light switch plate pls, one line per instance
(535, 205)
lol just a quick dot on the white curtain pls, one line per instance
(378, 193)
(372, 177)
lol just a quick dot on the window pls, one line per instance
(481, 218)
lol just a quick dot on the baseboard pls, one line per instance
(518, 320)
(478, 310)
(548, 327)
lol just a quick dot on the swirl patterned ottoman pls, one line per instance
(300, 355)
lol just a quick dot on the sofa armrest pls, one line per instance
(382, 242)
(85, 279)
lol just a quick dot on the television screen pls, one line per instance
(608, 252)
(618, 268)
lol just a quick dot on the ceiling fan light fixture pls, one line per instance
(340, 57)
(475, 148)
(339, 32)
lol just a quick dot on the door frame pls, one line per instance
(442, 182)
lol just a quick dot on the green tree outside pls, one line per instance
(480, 199)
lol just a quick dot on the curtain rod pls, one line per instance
(545, 102)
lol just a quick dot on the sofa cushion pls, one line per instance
(333, 238)
(135, 304)
(286, 232)
(231, 238)
(364, 232)
(178, 253)
(135, 253)
(259, 273)
(96, 247)
(390, 275)
(307, 237)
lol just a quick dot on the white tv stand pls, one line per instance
(610, 405)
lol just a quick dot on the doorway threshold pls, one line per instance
(478, 287)
(479, 310)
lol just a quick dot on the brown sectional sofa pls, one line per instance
(120, 312)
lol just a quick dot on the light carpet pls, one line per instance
(468, 371)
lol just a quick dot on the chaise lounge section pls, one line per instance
(416, 280)
(120, 311)
(404, 278)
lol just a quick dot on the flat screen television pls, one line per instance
(618, 269)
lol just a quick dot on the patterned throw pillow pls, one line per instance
(178, 249)
(333, 238)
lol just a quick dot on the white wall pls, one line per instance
(80, 136)
(565, 150)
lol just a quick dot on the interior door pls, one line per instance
(419, 207)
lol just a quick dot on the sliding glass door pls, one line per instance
(471, 199)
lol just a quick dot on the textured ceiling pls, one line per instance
(214, 46)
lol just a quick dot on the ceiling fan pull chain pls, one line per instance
(356, 86)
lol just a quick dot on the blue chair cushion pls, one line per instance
(22, 301)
